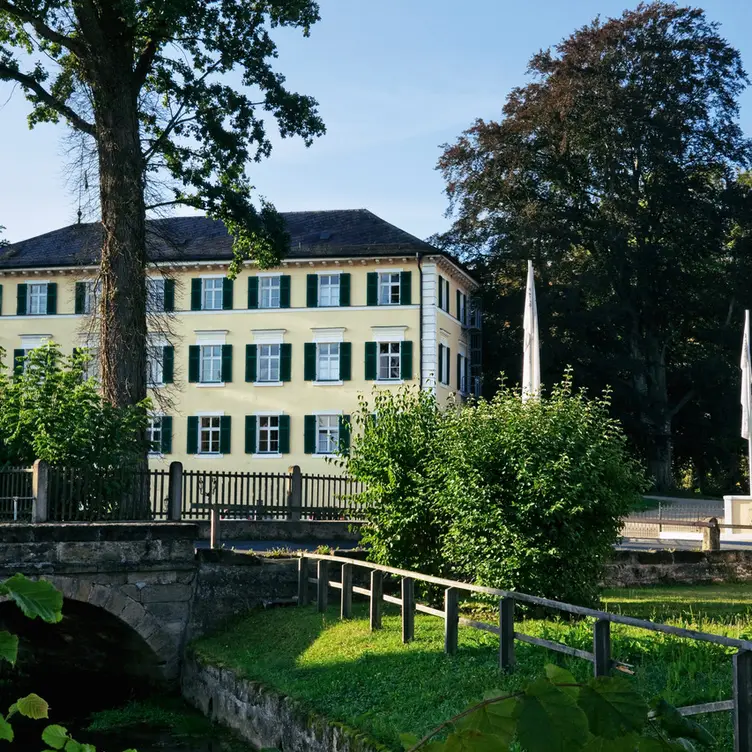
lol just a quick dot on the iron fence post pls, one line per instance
(743, 701)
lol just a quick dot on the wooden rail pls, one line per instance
(600, 657)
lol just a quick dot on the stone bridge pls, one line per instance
(134, 592)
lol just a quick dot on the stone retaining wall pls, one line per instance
(263, 716)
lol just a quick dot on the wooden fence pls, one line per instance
(600, 656)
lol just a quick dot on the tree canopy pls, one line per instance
(617, 169)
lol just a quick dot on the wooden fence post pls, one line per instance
(743, 701)
(175, 492)
(303, 581)
(40, 490)
(506, 634)
(451, 620)
(408, 609)
(214, 535)
(295, 493)
(711, 536)
(377, 590)
(345, 611)
(602, 647)
(322, 585)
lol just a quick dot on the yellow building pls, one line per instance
(259, 373)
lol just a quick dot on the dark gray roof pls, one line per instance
(313, 234)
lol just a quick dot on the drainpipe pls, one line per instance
(419, 259)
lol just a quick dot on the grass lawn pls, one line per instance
(375, 683)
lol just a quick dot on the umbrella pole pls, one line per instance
(749, 458)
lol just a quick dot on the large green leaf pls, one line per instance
(32, 706)
(55, 736)
(34, 597)
(560, 676)
(6, 730)
(469, 740)
(408, 741)
(624, 744)
(550, 720)
(499, 719)
(8, 647)
(612, 706)
(679, 726)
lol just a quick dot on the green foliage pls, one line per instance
(556, 714)
(525, 497)
(52, 412)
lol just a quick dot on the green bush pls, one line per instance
(51, 411)
(524, 497)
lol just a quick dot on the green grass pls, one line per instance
(377, 684)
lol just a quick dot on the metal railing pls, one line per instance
(600, 656)
(16, 494)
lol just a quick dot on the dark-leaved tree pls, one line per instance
(174, 89)
(617, 169)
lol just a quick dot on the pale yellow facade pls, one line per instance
(421, 322)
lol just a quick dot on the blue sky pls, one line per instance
(394, 79)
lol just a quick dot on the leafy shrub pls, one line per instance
(524, 497)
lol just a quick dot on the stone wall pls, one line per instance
(637, 568)
(228, 584)
(284, 530)
(263, 716)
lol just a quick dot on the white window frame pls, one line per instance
(151, 430)
(270, 359)
(212, 430)
(216, 290)
(387, 286)
(92, 291)
(269, 286)
(388, 358)
(201, 373)
(331, 433)
(155, 364)
(462, 386)
(37, 291)
(158, 296)
(329, 354)
(446, 366)
(259, 429)
(332, 286)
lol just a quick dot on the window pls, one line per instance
(444, 294)
(155, 295)
(267, 441)
(269, 363)
(211, 364)
(154, 434)
(211, 294)
(327, 434)
(209, 434)
(155, 365)
(327, 365)
(444, 364)
(462, 373)
(269, 290)
(389, 288)
(92, 291)
(389, 361)
(328, 290)
(37, 299)
(91, 370)
(462, 308)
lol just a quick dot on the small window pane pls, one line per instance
(269, 292)
(155, 295)
(154, 433)
(209, 435)
(268, 434)
(154, 365)
(327, 434)
(389, 288)
(389, 361)
(211, 364)
(211, 295)
(268, 363)
(328, 290)
(328, 362)
(37, 299)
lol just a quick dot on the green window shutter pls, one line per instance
(253, 292)
(345, 361)
(406, 360)
(371, 350)
(441, 364)
(406, 293)
(227, 363)
(312, 290)
(250, 434)
(51, 298)
(192, 443)
(372, 288)
(80, 301)
(284, 434)
(441, 292)
(1, 300)
(168, 364)
(459, 371)
(344, 289)
(448, 366)
(169, 295)
(18, 361)
(196, 294)
(285, 362)
(225, 434)
(166, 434)
(227, 288)
(194, 363)
(310, 434)
(309, 361)
(459, 307)
(21, 299)
(250, 363)
(344, 433)
(284, 291)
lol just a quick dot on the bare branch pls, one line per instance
(28, 82)
(74, 45)
(681, 403)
